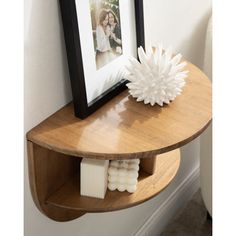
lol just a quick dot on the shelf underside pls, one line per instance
(68, 196)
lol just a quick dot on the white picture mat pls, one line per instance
(99, 81)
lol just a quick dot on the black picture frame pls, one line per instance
(82, 108)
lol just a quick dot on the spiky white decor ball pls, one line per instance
(158, 77)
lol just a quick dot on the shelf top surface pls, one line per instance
(124, 128)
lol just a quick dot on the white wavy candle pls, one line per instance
(122, 172)
(121, 187)
(124, 165)
(113, 171)
(122, 175)
(133, 174)
(122, 180)
(114, 164)
(112, 186)
(132, 181)
(133, 167)
(134, 161)
(131, 188)
(112, 178)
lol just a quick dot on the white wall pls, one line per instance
(179, 23)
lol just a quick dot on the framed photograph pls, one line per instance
(100, 37)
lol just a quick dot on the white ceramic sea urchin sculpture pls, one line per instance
(158, 77)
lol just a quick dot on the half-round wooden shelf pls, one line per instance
(124, 128)
(68, 196)
(121, 129)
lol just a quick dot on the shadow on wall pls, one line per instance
(194, 46)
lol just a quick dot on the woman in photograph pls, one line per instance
(103, 32)
(115, 35)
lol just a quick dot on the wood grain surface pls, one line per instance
(48, 171)
(126, 129)
(149, 164)
(68, 196)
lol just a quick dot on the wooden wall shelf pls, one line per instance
(121, 129)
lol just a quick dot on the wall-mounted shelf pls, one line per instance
(121, 129)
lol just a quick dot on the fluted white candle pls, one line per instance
(131, 188)
(121, 187)
(122, 175)
(112, 186)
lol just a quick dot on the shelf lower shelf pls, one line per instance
(54, 183)
(68, 196)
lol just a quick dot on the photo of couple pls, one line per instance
(106, 28)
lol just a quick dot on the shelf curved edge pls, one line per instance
(68, 196)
